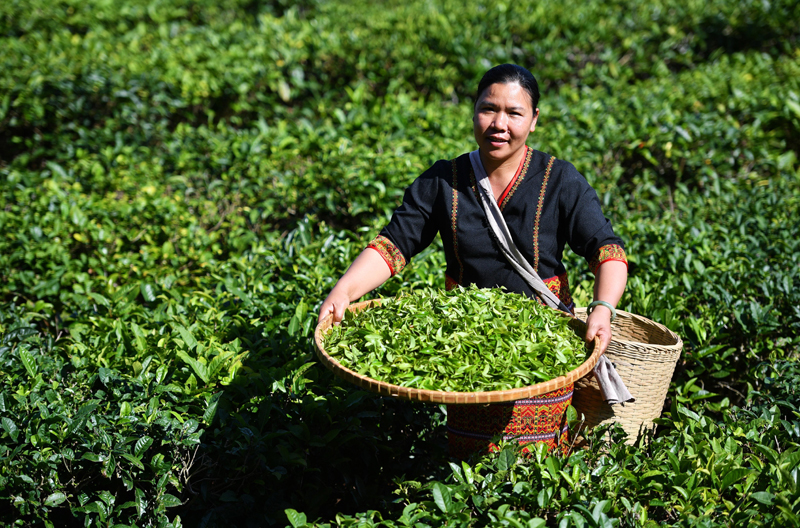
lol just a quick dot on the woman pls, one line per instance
(545, 202)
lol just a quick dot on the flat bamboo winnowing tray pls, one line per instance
(408, 393)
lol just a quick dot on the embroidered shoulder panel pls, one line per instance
(606, 253)
(393, 257)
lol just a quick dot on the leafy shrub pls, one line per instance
(181, 184)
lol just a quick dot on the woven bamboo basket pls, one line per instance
(644, 354)
(408, 393)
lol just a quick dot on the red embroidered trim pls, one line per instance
(560, 286)
(606, 253)
(449, 283)
(454, 221)
(518, 177)
(539, 206)
(394, 259)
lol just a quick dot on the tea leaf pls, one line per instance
(442, 497)
(28, 362)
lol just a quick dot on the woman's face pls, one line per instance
(502, 120)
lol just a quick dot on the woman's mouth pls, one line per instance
(496, 141)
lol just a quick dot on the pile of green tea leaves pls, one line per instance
(464, 340)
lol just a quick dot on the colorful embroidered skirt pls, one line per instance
(471, 428)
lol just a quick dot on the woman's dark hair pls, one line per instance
(507, 74)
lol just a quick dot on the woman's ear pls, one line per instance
(535, 119)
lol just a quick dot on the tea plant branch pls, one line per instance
(138, 236)
(187, 464)
(728, 386)
(575, 435)
(205, 465)
(187, 265)
(223, 214)
(736, 507)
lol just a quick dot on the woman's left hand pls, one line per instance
(598, 324)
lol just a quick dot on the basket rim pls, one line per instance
(431, 396)
(644, 321)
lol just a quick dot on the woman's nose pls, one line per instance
(500, 121)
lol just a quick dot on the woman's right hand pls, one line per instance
(336, 303)
(367, 272)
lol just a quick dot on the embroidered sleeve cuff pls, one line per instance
(606, 253)
(394, 259)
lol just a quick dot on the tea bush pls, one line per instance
(181, 183)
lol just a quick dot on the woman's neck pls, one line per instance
(501, 173)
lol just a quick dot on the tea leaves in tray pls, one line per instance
(465, 340)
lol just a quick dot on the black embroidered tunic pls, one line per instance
(548, 204)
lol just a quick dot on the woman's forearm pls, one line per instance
(367, 272)
(610, 281)
(609, 284)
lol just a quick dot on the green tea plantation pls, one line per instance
(182, 183)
